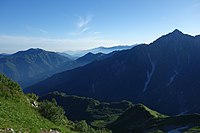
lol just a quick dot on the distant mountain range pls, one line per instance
(30, 66)
(104, 50)
(68, 56)
(34, 65)
(163, 75)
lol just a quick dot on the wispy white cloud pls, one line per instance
(84, 21)
(9, 44)
(82, 25)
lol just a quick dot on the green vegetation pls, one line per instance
(22, 117)
(97, 114)
(17, 112)
(84, 127)
(194, 130)
(23, 113)
(53, 112)
(9, 89)
(32, 97)
(120, 117)
(30, 66)
(139, 119)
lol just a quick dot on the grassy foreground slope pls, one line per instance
(22, 117)
(21, 113)
(16, 111)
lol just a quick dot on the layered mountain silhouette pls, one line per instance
(28, 67)
(104, 50)
(90, 57)
(163, 75)
(34, 65)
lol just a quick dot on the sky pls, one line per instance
(62, 25)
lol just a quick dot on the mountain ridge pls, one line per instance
(24, 65)
(40, 64)
(24, 113)
(101, 49)
(165, 71)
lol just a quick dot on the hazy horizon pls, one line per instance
(78, 25)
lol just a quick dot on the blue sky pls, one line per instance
(61, 25)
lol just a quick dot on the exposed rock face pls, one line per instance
(7, 130)
(35, 104)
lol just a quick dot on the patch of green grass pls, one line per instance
(22, 117)
(102, 123)
(97, 114)
(194, 130)
(152, 112)
(23, 113)
(142, 119)
(16, 111)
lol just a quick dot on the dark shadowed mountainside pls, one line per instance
(96, 113)
(162, 75)
(141, 119)
(34, 65)
(123, 116)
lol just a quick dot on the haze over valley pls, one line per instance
(99, 66)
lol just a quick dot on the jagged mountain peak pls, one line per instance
(164, 72)
(177, 34)
(173, 38)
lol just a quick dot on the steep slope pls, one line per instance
(16, 111)
(23, 113)
(162, 75)
(81, 61)
(34, 65)
(30, 66)
(139, 119)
